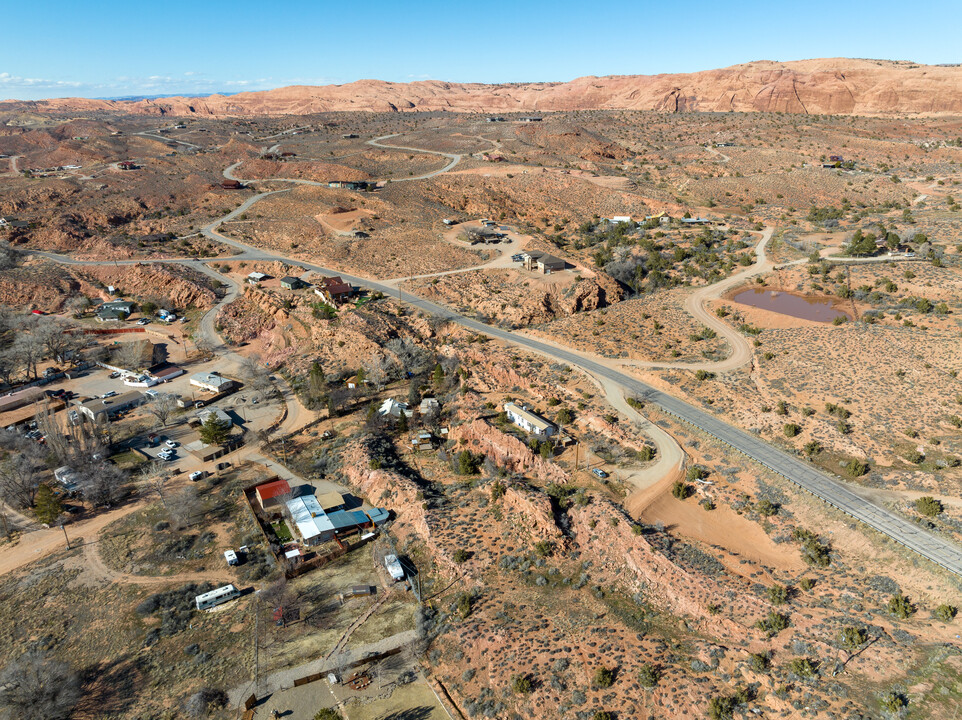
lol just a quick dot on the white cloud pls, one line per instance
(191, 82)
(14, 81)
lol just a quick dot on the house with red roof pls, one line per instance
(271, 494)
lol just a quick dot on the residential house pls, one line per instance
(316, 526)
(101, 408)
(222, 416)
(543, 262)
(165, 372)
(333, 290)
(423, 441)
(211, 382)
(256, 277)
(127, 165)
(529, 421)
(696, 221)
(229, 184)
(663, 218)
(429, 406)
(331, 501)
(292, 283)
(394, 408)
(272, 494)
(115, 310)
(351, 184)
(620, 219)
(20, 398)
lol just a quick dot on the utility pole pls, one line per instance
(256, 644)
(62, 527)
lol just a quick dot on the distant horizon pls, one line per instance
(136, 97)
(116, 49)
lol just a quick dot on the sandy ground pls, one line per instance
(344, 223)
(721, 527)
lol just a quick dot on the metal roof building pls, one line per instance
(311, 520)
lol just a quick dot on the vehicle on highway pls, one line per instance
(598, 472)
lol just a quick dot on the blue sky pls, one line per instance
(110, 48)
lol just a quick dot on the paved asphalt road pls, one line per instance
(937, 549)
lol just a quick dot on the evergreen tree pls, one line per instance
(214, 431)
(46, 505)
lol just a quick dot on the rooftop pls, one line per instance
(309, 516)
(272, 489)
(535, 420)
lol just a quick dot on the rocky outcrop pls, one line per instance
(604, 534)
(534, 508)
(171, 284)
(824, 86)
(520, 304)
(506, 451)
(243, 320)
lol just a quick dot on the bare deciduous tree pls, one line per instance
(38, 687)
(78, 305)
(101, 482)
(29, 351)
(128, 355)
(155, 477)
(58, 342)
(378, 370)
(257, 374)
(162, 407)
(19, 478)
(413, 357)
(180, 505)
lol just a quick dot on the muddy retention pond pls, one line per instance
(787, 303)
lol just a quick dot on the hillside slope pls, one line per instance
(827, 86)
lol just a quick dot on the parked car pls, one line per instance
(143, 321)
(112, 393)
(599, 473)
(114, 375)
(197, 475)
(166, 454)
(171, 443)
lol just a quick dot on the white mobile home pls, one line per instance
(216, 597)
(529, 421)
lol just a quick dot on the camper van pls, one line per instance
(216, 597)
(394, 568)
